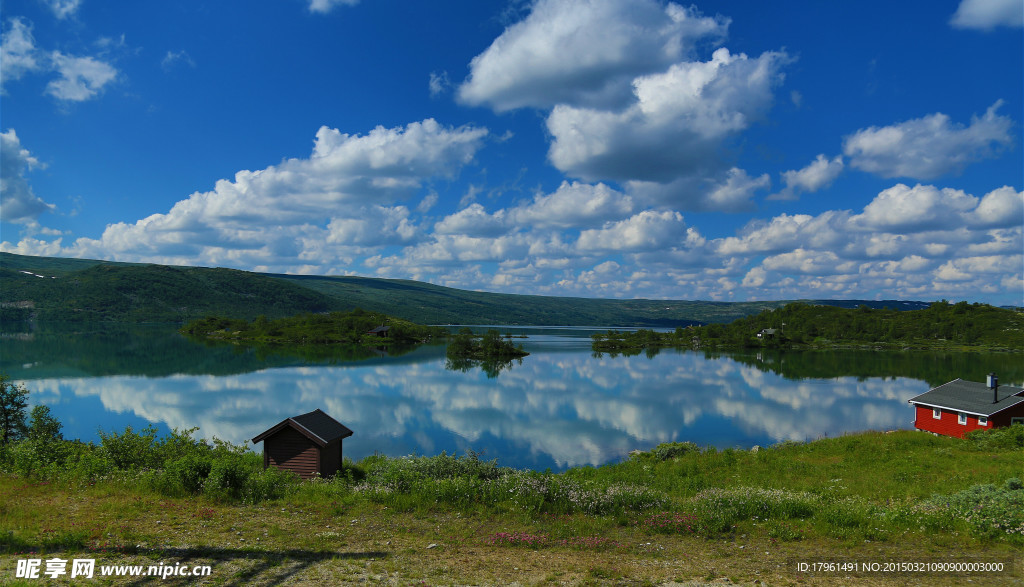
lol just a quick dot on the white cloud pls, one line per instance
(819, 174)
(328, 206)
(988, 14)
(780, 233)
(918, 242)
(904, 208)
(804, 261)
(731, 191)
(676, 126)
(17, 52)
(81, 78)
(325, 6)
(17, 200)
(573, 204)
(583, 52)
(928, 147)
(63, 8)
(1003, 207)
(646, 231)
(372, 226)
(472, 220)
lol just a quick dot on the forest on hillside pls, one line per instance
(803, 325)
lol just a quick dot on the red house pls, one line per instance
(308, 444)
(957, 407)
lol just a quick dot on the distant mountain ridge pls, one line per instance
(62, 289)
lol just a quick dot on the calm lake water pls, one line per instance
(562, 406)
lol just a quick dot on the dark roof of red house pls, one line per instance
(970, 397)
(316, 426)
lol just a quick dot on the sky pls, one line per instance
(731, 151)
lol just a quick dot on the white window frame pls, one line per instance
(936, 413)
(961, 418)
(1016, 421)
(982, 420)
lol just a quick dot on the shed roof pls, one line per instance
(316, 426)
(379, 329)
(970, 397)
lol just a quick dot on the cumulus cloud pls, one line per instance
(819, 174)
(986, 15)
(583, 52)
(19, 202)
(574, 204)
(325, 6)
(928, 147)
(18, 52)
(904, 208)
(646, 231)
(920, 242)
(473, 220)
(317, 209)
(630, 100)
(1003, 207)
(675, 127)
(730, 191)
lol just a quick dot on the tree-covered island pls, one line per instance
(490, 351)
(352, 328)
(805, 326)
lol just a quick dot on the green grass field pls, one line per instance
(678, 512)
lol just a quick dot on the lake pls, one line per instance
(560, 407)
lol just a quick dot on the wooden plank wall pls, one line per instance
(292, 451)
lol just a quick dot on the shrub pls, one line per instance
(227, 478)
(1008, 438)
(131, 450)
(670, 450)
(186, 475)
(991, 511)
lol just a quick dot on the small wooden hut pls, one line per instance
(309, 444)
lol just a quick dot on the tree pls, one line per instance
(43, 427)
(13, 401)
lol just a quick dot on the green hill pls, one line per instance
(52, 289)
(91, 291)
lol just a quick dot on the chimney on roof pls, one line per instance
(993, 384)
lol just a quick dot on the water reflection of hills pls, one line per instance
(158, 350)
(563, 406)
(555, 411)
(933, 367)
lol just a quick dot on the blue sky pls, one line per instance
(605, 148)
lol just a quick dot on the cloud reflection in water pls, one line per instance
(556, 409)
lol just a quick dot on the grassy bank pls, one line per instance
(677, 512)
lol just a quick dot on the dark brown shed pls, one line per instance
(306, 444)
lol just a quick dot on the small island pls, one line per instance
(490, 351)
(489, 346)
(357, 327)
